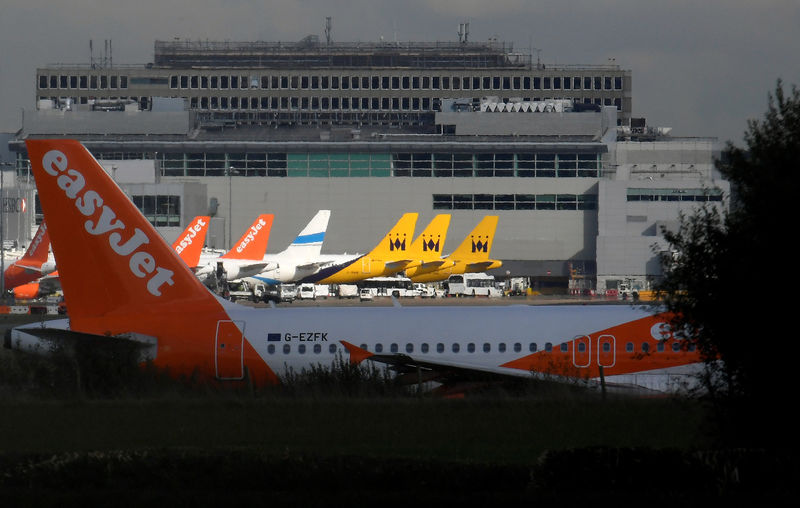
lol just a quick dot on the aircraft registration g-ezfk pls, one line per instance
(122, 281)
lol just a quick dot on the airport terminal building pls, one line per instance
(371, 131)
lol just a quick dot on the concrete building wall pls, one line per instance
(364, 209)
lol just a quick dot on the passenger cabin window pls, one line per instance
(393, 348)
(471, 347)
(440, 348)
(379, 348)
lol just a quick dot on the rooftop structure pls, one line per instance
(374, 130)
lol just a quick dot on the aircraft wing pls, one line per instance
(420, 366)
(313, 265)
(49, 283)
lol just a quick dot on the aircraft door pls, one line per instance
(606, 351)
(582, 351)
(229, 350)
(365, 264)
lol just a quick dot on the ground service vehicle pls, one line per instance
(472, 284)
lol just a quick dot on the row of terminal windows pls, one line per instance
(160, 210)
(326, 82)
(416, 164)
(351, 103)
(83, 82)
(515, 202)
(486, 347)
(304, 82)
(634, 194)
(267, 103)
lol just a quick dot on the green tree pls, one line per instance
(730, 281)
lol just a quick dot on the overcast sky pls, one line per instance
(701, 67)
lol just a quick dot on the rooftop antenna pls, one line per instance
(328, 29)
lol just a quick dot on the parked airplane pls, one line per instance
(189, 245)
(133, 287)
(35, 263)
(471, 256)
(301, 258)
(245, 259)
(389, 256)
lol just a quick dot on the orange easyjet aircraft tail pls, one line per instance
(145, 290)
(253, 244)
(189, 244)
(84, 207)
(30, 266)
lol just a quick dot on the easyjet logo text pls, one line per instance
(251, 235)
(37, 240)
(102, 221)
(192, 232)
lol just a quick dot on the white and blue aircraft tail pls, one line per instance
(302, 257)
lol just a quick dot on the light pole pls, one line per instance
(230, 205)
(2, 232)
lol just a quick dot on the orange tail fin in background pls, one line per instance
(253, 244)
(115, 269)
(189, 244)
(29, 267)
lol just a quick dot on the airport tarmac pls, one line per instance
(11, 320)
(386, 301)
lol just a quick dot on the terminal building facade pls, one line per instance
(371, 131)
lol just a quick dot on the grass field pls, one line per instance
(134, 437)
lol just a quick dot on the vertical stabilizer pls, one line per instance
(395, 245)
(253, 243)
(478, 244)
(429, 245)
(189, 245)
(115, 269)
(308, 243)
(30, 266)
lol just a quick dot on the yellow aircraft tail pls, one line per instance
(426, 251)
(475, 249)
(397, 242)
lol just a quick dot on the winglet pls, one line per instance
(253, 244)
(357, 354)
(189, 245)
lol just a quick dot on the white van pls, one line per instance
(307, 291)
